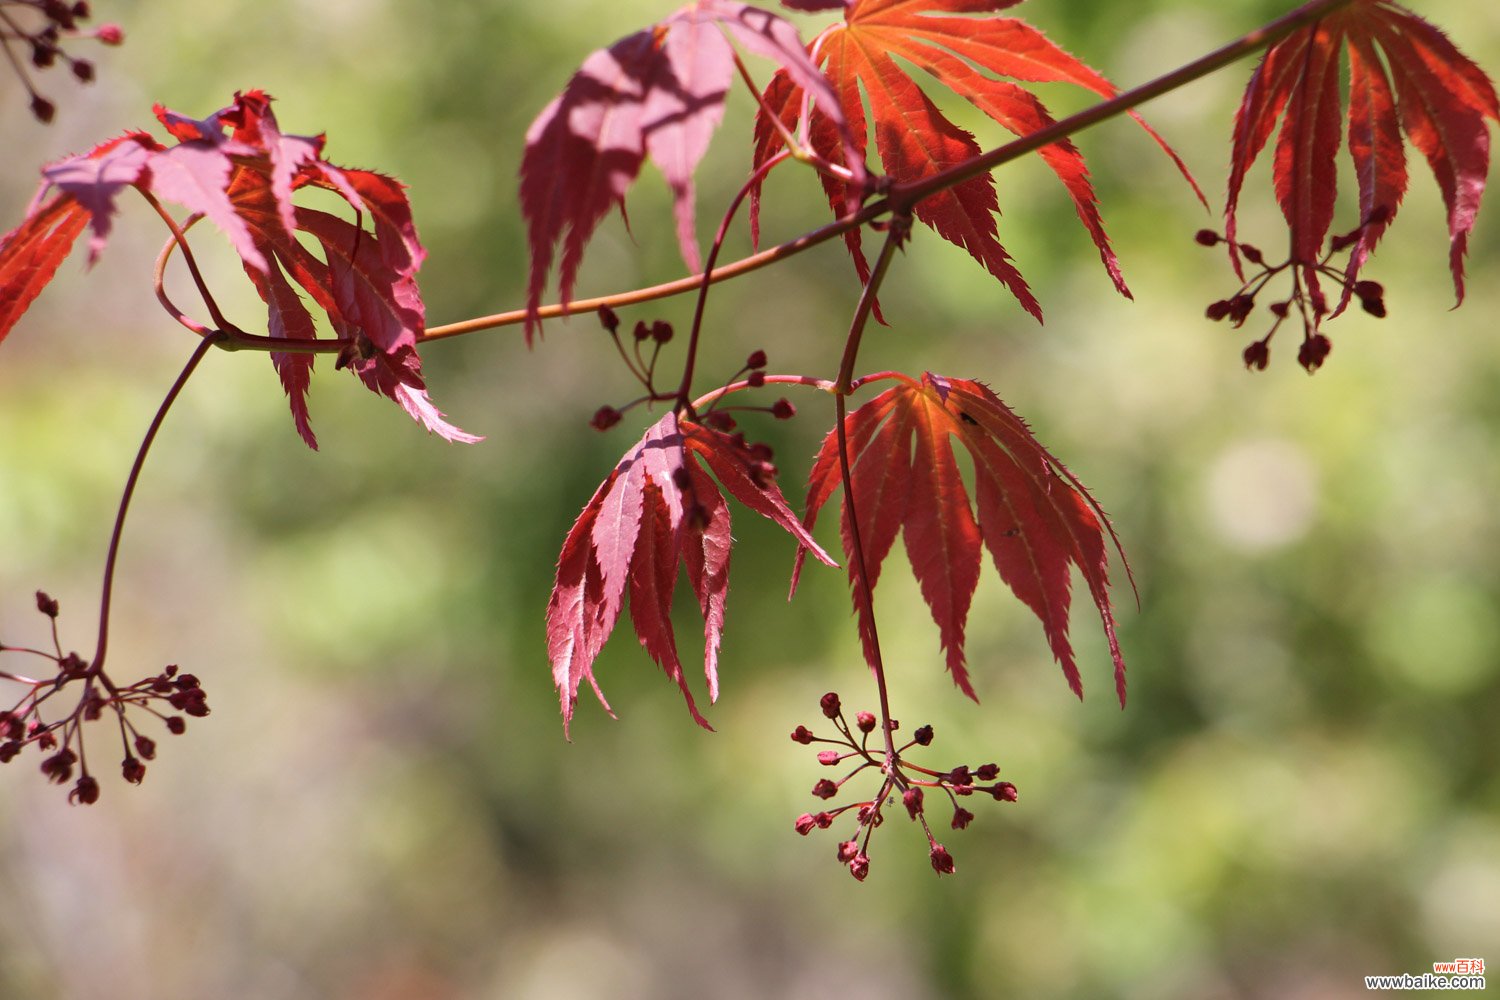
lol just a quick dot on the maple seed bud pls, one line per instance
(42, 55)
(912, 800)
(923, 736)
(86, 792)
(942, 861)
(110, 34)
(830, 705)
(661, 331)
(1258, 355)
(865, 721)
(783, 409)
(756, 360)
(1206, 237)
(83, 70)
(824, 820)
(641, 331)
(828, 758)
(81, 10)
(848, 850)
(960, 775)
(987, 772)
(806, 823)
(1279, 309)
(46, 604)
(59, 767)
(1004, 792)
(608, 319)
(1313, 352)
(1217, 310)
(42, 109)
(8, 750)
(176, 725)
(604, 418)
(1240, 307)
(1253, 255)
(962, 818)
(859, 867)
(146, 747)
(825, 789)
(802, 735)
(1374, 306)
(757, 379)
(133, 770)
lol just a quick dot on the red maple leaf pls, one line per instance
(657, 509)
(237, 169)
(1035, 518)
(915, 140)
(657, 93)
(1440, 100)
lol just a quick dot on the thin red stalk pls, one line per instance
(816, 383)
(180, 238)
(756, 177)
(107, 591)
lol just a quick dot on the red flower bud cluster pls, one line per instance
(40, 31)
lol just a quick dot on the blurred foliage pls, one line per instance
(1302, 790)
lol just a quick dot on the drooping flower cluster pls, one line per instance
(1307, 299)
(898, 776)
(168, 695)
(40, 28)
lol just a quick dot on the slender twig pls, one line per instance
(180, 238)
(107, 591)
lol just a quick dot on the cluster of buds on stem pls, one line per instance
(914, 784)
(168, 696)
(40, 28)
(1307, 298)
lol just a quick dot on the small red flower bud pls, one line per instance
(962, 818)
(960, 775)
(719, 421)
(176, 725)
(83, 71)
(1252, 254)
(1206, 237)
(641, 331)
(828, 758)
(830, 705)
(81, 10)
(912, 800)
(825, 789)
(824, 820)
(783, 409)
(42, 109)
(1258, 355)
(8, 750)
(1375, 307)
(987, 772)
(923, 736)
(110, 34)
(757, 359)
(46, 604)
(757, 379)
(170, 670)
(146, 747)
(59, 767)
(1279, 309)
(1240, 307)
(806, 823)
(942, 861)
(1368, 289)
(1313, 352)
(133, 770)
(802, 735)
(86, 792)
(42, 55)
(604, 418)
(859, 867)
(608, 319)
(1004, 792)
(661, 331)
(865, 721)
(848, 850)
(1217, 310)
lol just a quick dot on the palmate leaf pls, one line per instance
(657, 510)
(657, 93)
(1034, 517)
(914, 139)
(1404, 77)
(238, 170)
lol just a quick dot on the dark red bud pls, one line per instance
(962, 818)
(756, 360)
(762, 452)
(1314, 351)
(146, 747)
(604, 418)
(81, 10)
(865, 721)
(176, 725)
(661, 331)
(783, 409)
(1240, 307)
(757, 379)
(1217, 310)
(1252, 254)
(42, 55)
(42, 109)
(8, 750)
(170, 670)
(825, 789)
(987, 772)
(806, 823)
(912, 800)
(609, 319)
(1258, 355)
(830, 705)
(59, 767)
(942, 861)
(133, 770)
(83, 70)
(719, 421)
(641, 331)
(848, 850)
(1279, 309)
(1368, 289)
(824, 820)
(1206, 237)
(859, 867)
(923, 736)
(960, 775)
(1004, 791)
(187, 682)
(46, 604)
(1375, 307)
(86, 792)
(802, 735)
(828, 758)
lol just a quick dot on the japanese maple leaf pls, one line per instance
(238, 170)
(657, 510)
(1034, 517)
(1405, 77)
(914, 139)
(657, 93)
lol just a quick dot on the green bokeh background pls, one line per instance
(1303, 789)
